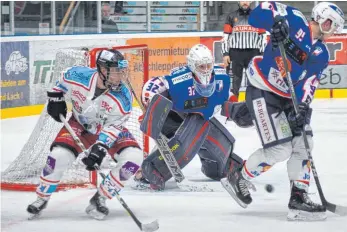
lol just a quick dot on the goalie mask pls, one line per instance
(200, 62)
(112, 68)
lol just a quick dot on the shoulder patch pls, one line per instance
(181, 78)
(80, 75)
(301, 15)
(123, 99)
(281, 9)
(178, 70)
(218, 71)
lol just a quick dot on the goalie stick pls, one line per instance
(171, 162)
(340, 210)
(147, 227)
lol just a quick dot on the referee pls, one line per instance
(241, 42)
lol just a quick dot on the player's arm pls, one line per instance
(263, 15)
(56, 100)
(315, 67)
(305, 89)
(227, 30)
(271, 17)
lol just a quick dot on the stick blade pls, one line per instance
(341, 210)
(150, 227)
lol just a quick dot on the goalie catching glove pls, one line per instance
(96, 155)
(56, 105)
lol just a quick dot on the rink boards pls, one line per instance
(27, 63)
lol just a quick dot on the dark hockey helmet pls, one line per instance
(112, 67)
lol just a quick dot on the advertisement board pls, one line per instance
(27, 64)
(14, 74)
(42, 61)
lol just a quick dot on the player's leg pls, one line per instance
(216, 153)
(63, 152)
(184, 146)
(237, 69)
(128, 155)
(298, 166)
(268, 113)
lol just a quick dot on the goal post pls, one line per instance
(23, 173)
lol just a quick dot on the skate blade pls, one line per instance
(91, 211)
(232, 193)
(299, 215)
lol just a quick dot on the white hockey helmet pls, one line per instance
(200, 61)
(329, 17)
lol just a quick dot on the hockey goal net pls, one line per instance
(23, 173)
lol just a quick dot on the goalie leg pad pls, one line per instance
(155, 116)
(184, 146)
(215, 151)
(57, 162)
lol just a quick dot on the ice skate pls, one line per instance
(238, 188)
(301, 208)
(97, 207)
(36, 208)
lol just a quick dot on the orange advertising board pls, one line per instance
(164, 55)
(337, 46)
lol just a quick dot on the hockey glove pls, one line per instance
(96, 155)
(56, 105)
(279, 31)
(298, 120)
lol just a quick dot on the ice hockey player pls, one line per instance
(101, 105)
(270, 105)
(197, 92)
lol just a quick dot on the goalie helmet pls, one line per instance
(200, 62)
(329, 17)
(112, 66)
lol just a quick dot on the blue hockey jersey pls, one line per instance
(307, 58)
(179, 87)
(186, 100)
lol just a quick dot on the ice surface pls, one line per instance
(188, 211)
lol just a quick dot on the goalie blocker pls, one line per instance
(193, 134)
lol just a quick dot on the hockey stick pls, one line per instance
(147, 227)
(340, 210)
(169, 159)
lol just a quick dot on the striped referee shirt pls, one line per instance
(238, 34)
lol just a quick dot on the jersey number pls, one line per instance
(300, 35)
(152, 87)
(191, 91)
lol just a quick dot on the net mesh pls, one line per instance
(27, 167)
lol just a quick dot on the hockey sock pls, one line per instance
(46, 188)
(110, 186)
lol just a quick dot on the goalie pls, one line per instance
(101, 103)
(197, 92)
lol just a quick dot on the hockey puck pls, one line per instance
(269, 188)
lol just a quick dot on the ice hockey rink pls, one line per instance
(179, 211)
